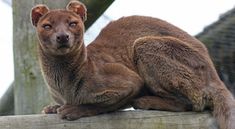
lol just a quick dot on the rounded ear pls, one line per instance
(37, 12)
(78, 8)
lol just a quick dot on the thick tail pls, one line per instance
(224, 109)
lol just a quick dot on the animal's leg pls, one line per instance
(117, 88)
(52, 109)
(168, 64)
(159, 103)
(105, 101)
(179, 68)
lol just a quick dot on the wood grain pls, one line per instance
(137, 119)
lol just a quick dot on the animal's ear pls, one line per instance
(37, 12)
(78, 8)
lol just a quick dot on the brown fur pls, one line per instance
(139, 61)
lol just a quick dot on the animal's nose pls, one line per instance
(62, 38)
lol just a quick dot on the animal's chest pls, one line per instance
(61, 84)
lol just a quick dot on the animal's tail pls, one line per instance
(223, 108)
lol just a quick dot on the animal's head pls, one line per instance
(60, 31)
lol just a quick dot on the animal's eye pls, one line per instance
(47, 26)
(73, 24)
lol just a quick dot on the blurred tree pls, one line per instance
(30, 92)
(7, 102)
(220, 40)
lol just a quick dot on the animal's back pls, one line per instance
(117, 38)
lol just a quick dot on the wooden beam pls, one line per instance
(137, 119)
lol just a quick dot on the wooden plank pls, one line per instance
(137, 119)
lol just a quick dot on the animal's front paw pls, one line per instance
(73, 112)
(70, 112)
(141, 103)
(50, 109)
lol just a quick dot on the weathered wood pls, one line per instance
(118, 120)
(30, 92)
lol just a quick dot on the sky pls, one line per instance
(6, 54)
(189, 15)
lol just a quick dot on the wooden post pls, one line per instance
(118, 120)
(30, 92)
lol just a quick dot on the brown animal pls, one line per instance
(138, 61)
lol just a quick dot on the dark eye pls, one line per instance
(73, 24)
(47, 26)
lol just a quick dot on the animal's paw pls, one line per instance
(141, 103)
(72, 112)
(50, 109)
